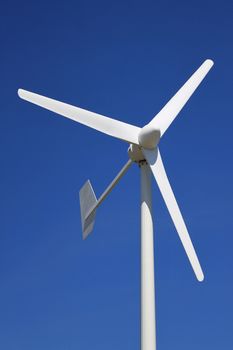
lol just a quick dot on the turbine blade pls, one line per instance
(98, 122)
(154, 160)
(169, 112)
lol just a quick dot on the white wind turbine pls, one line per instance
(143, 150)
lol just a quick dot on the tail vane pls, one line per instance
(88, 202)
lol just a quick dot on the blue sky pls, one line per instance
(123, 59)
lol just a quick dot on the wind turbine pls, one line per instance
(143, 150)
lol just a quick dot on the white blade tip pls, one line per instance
(200, 277)
(21, 93)
(25, 95)
(209, 62)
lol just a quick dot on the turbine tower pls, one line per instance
(143, 149)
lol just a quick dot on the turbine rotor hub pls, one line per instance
(149, 137)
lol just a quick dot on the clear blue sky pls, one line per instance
(124, 59)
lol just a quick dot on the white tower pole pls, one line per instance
(148, 337)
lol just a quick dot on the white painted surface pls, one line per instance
(148, 338)
(109, 126)
(155, 161)
(148, 137)
(165, 117)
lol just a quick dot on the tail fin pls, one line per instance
(87, 205)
